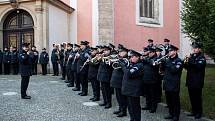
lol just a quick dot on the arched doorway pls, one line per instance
(18, 28)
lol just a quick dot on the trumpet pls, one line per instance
(116, 64)
(159, 61)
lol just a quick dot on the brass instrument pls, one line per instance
(116, 64)
(186, 59)
(159, 61)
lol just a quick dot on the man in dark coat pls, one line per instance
(35, 60)
(116, 83)
(150, 43)
(25, 59)
(14, 61)
(55, 60)
(195, 79)
(44, 60)
(92, 75)
(62, 61)
(132, 84)
(1, 60)
(172, 77)
(74, 60)
(6, 61)
(82, 70)
(104, 76)
(150, 79)
(68, 62)
(166, 46)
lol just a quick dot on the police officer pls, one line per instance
(35, 60)
(132, 84)
(6, 61)
(74, 59)
(92, 74)
(1, 60)
(44, 60)
(172, 74)
(150, 79)
(62, 61)
(55, 60)
(195, 79)
(14, 61)
(26, 59)
(82, 70)
(68, 62)
(104, 76)
(166, 46)
(116, 83)
(150, 43)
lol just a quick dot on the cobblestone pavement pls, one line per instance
(53, 101)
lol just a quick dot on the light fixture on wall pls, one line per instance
(14, 3)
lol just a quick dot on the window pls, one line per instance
(149, 13)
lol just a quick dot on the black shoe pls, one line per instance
(53, 75)
(146, 108)
(83, 94)
(168, 117)
(102, 104)
(66, 81)
(122, 114)
(198, 116)
(26, 97)
(117, 112)
(191, 114)
(76, 89)
(92, 98)
(70, 85)
(108, 106)
(80, 93)
(95, 99)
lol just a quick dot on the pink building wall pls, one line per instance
(84, 16)
(133, 36)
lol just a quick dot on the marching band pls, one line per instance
(125, 72)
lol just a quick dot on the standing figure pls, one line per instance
(74, 67)
(195, 79)
(25, 59)
(14, 61)
(68, 62)
(172, 77)
(55, 57)
(35, 60)
(166, 46)
(6, 61)
(132, 84)
(62, 61)
(44, 60)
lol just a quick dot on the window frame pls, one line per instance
(156, 21)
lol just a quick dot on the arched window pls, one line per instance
(18, 28)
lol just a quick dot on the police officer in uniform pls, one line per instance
(68, 62)
(35, 60)
(116, 83)
(55, 60)
(62, 61)
(6, 61)
(92, 74)
(172, 75)
(25, 59)
(104, 76)
(14, 61)
(1, 60)
(82, 70)
(166, 46)
(132, 84)
(195, 79)
(150, 79)
(74, 67)
(150, 43)
(44, 60)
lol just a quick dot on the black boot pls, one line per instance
(76, 89)
(70, 85)
(117, 112)
(122, 113)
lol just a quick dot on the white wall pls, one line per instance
(73, 19)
